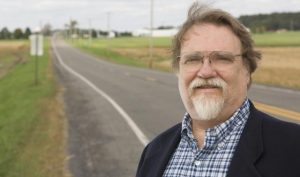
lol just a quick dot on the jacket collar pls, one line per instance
(249, 148)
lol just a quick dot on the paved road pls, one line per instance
(101, 143)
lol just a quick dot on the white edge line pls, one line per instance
(138, 132)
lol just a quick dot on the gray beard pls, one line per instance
(208, 107)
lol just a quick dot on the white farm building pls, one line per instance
(155, 32)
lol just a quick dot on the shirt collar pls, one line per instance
(220, 131)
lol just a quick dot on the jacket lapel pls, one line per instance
(158, 159)
(249, 149)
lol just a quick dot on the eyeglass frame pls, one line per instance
(209, 57)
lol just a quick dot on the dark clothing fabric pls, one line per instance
(268, 147)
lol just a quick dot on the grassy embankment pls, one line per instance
(31, 120)
(280, 65)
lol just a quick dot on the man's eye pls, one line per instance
(224, 58)
(191, 60)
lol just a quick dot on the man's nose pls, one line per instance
(206, 70)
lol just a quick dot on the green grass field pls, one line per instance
(129, 42)
(24, 126)
(135, 51)
(117, 49)
(283, 39)
(269, 39)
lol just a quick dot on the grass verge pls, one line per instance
(112, 56)
(133, 54)
(32, 123)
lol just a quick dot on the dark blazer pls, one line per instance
(268, 147)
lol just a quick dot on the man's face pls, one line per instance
(214, 90)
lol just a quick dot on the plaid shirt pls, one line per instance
(214, 158)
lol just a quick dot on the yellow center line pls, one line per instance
(278, 111)
(150, 79)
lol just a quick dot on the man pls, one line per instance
(222, 133)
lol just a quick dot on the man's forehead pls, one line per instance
(206, 35)
(198, 28)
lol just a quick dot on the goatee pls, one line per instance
(207, 106)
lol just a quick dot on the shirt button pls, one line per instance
(221, 145)
(197, 163)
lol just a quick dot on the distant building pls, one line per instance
(155, 32)
(111, 34)
(141, 33)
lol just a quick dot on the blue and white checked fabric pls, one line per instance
(214, 158)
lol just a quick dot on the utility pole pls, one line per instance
(108, 23)
(108, 31)
(90, 32)
(292, 25)
(151, 36)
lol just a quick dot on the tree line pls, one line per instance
(256, 23)
(19, 33)
(272, 22)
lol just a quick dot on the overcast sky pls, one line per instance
(124, 14)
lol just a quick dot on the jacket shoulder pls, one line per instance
(157, 153)
(280, 156)
(166, 135)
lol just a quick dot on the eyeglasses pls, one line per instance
(217, 59)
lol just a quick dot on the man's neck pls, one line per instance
(199, 126)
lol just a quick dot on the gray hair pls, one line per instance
(199, 14)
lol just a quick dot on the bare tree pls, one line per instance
(72, 26)
(46, 30)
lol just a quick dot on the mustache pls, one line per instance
(214, 82)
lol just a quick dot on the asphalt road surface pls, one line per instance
(113, 110)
